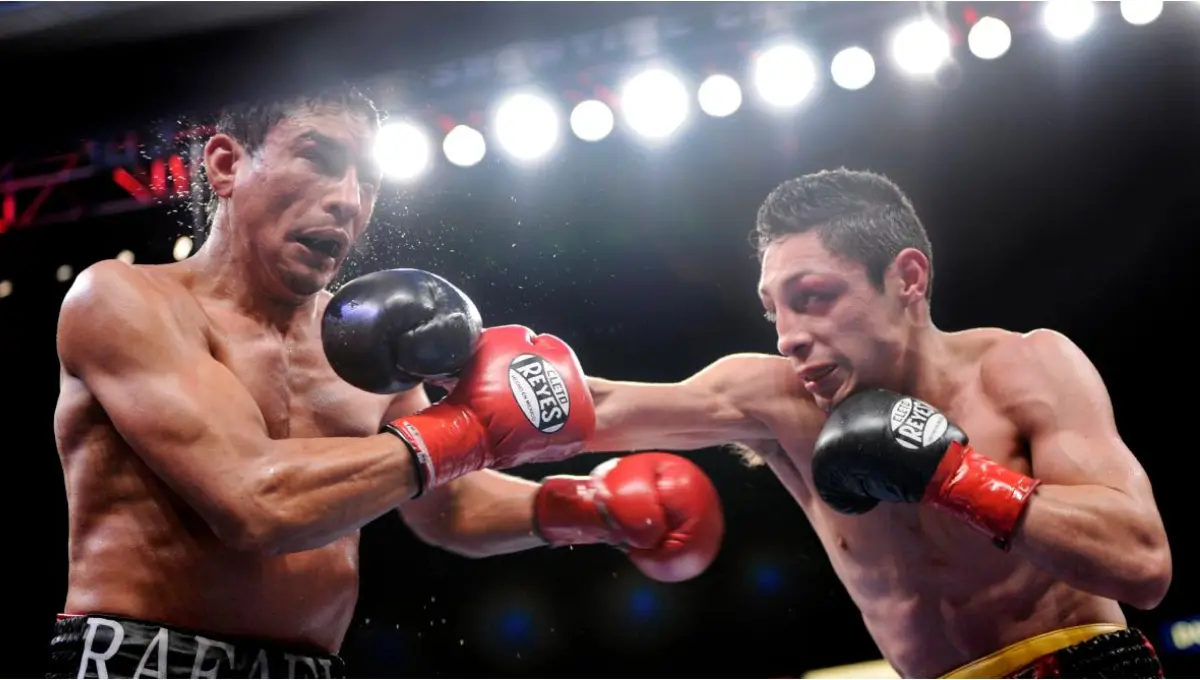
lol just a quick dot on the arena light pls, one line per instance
(64, 273)
(852, 69)
(183, 248)
(784, 75)
(6, 288)
(402, 150)
(592, 120)
(1141, 12)
(464, 146)
(1068, 19)
(719, 96)
(989, 38)
(527, 126)
(920, 47)
(655, 103)
(125, 256)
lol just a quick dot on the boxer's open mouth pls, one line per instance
(812, 375)
(328, 246)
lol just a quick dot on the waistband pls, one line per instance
(103, 646)
(1014, 657)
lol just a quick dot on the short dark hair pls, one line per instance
(250, 123)
(860, 215)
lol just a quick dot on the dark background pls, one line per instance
(1059, 185)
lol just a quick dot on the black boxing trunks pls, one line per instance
(1092, 651)
(103, 646)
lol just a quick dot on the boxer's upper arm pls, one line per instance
(721, 404)
(184, 413)
(1058, 401)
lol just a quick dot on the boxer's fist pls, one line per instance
(882, 446)
(660, 508)
(385, 332)
(523, 398)
(879, 446)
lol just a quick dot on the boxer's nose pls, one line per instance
(794, 340)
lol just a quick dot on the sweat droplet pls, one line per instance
(461, 643)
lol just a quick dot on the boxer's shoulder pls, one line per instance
(1029, 371)
(767, 388)
(112, 299)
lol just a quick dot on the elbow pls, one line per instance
(255, 519)
(1153, 577)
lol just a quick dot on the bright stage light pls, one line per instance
(592, 120)
(183, 248)
(125, 256)
(921, 47)
(1141, 12)
(655, 103)
(5, 288)
(719, 96)
(1068, 19)
(989, 38)
(784, 75)
(527, 126)
(402, 150)
(464, 146)
(853, 68)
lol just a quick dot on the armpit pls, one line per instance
(756, 454)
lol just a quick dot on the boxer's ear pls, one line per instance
(911, 269)
(221, 155)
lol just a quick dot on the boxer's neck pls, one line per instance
(227, 271)
(930, 365)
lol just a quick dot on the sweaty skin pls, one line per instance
(934, 593)
(217, 470)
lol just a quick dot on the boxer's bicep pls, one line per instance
(1059, 402)
(189, 419)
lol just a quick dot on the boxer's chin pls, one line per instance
(304, 284)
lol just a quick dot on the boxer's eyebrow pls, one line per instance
(321, 140)
(367, 167)
(788, 282)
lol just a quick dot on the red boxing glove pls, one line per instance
(661, 508)
(981, 492)
(523, 398)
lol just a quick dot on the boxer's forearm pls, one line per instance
(482, 514)
(306, 493)
(633, 416)
(1097, 539)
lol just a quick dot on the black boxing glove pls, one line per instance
(386, 332)
(882, 446)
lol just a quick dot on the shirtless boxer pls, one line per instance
(218, 470)
(1004, 558)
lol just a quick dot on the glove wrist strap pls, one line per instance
(446, 442)
(979, 491)
(568, 511)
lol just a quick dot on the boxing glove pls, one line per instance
(660, 508)
(882, 446)
(385, 332)
(522, 398)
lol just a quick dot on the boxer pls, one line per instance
(218, 466)
(971, 488)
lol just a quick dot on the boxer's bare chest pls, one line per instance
(927, 584)
(289, 378)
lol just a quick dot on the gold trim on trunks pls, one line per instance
(1016, 656)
